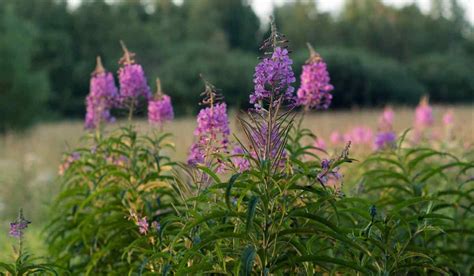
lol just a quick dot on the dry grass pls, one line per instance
(29, 161)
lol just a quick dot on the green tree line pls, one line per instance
(375, 53)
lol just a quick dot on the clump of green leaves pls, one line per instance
(115, 193)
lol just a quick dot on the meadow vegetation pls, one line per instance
(270, 194)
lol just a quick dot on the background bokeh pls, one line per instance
(376, 53)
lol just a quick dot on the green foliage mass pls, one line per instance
(403, 211)
(23, 90)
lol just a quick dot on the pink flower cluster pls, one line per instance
(423, 114)
(315, 88)
(102, 97)
(212, 134)
(160, 110)
(133, 84)
(386, 119)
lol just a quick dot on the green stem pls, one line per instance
(130, 112)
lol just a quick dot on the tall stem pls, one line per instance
(130, 112)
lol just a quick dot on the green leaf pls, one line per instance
(247, 259)
(229, 189)
(252, 207)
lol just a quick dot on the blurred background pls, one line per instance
(378, 53)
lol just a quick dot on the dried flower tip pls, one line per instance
(159, 92)
(275, 39)
(128, 57)
(211, 94)
(313, 55)
(345, 152)
(99, 68)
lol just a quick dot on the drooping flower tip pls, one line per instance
(273, 78)
(385, 140)
(424, 114)
(314, 92)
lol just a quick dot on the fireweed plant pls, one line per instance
(25, 263)
(271, 201)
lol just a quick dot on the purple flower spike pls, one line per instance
(212, 133)
(102, 97)
(160, 109)
(133, 83)
(314, 92)
(273, 78)
(212, 130)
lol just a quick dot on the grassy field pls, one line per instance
(29, 161)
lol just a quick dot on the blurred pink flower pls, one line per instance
(423, 114)
(386, 119)
(448, 118)
(320, 143)
(361, 135)
(336, 138)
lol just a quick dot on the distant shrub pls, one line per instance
(229, 70)
(23, 90)
(447, 77)
(360, 78)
